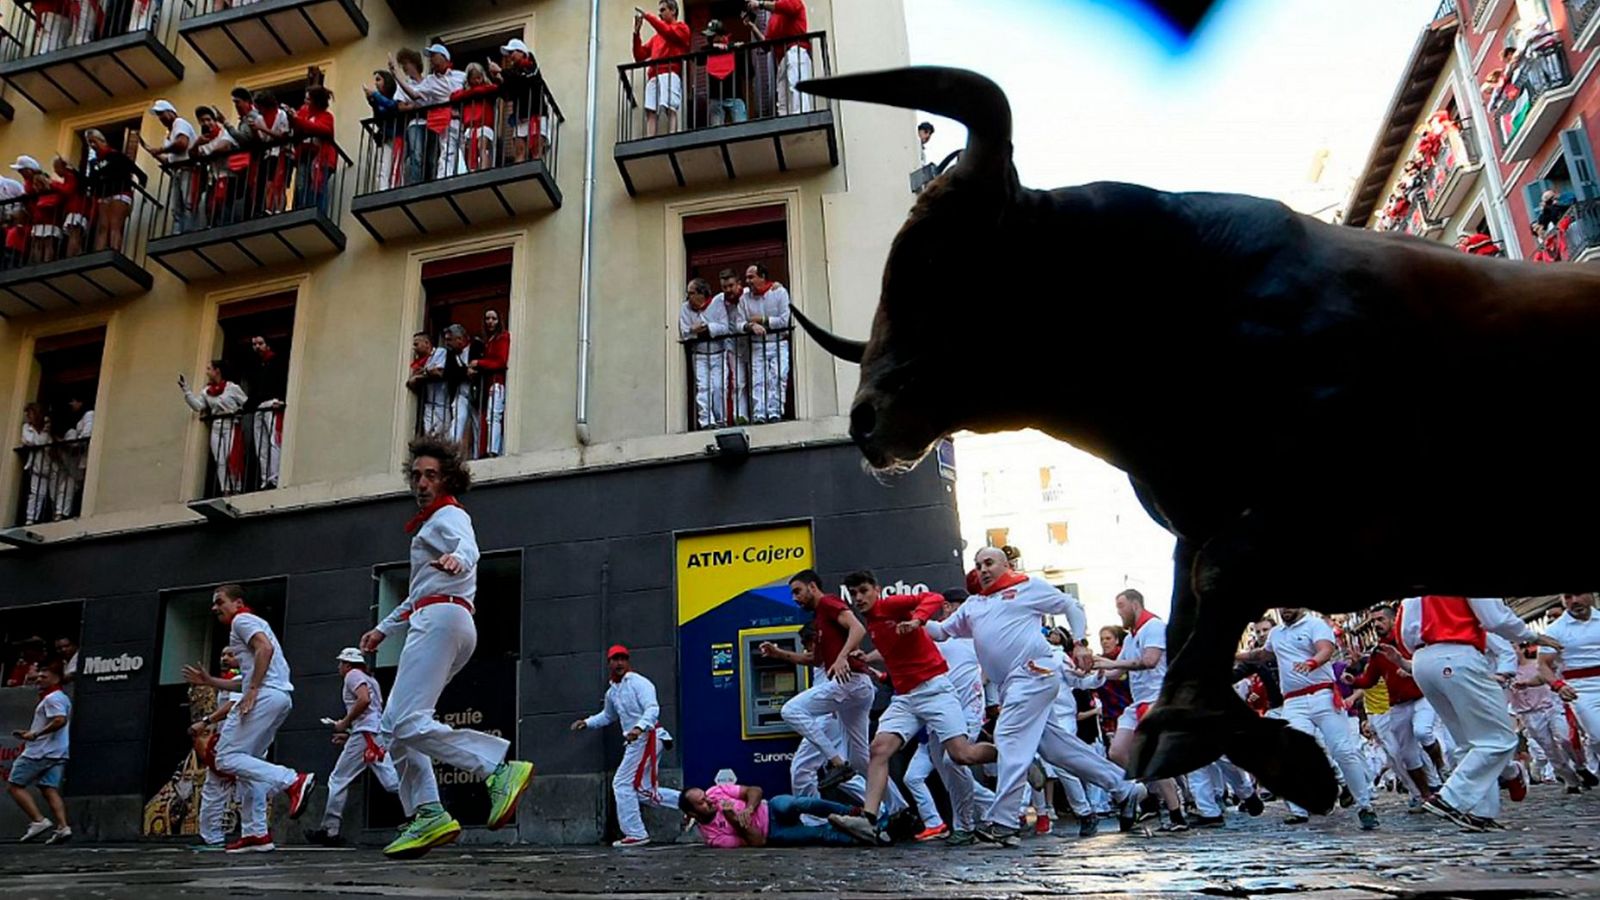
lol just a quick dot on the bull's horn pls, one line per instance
(960, 94)
(844, 348)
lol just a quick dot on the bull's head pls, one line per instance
(940, 274)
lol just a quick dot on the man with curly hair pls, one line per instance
(440, 637)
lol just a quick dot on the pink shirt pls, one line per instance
(1531, 698)
(719, 832)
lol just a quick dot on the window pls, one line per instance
(1056, 533)
(461, 382)
(997, 537)
(57, 426)
(33, 635)
(744, 377)
(1050, 488)
(246, 440)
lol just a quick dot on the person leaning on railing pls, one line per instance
(218, 147)
(475, 103)
(389, 138)
(218, 404)
(75, 204)
(181, 138)
(317, 155)
(724, 102)
(110, 178)
(35, 461)
(437, 155)
(522, 86)
(787, 21)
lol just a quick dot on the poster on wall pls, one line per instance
(733, 595)
(174, 810)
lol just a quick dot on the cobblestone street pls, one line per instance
(1550, 850)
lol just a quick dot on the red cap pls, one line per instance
(616, 651)
(974, 584)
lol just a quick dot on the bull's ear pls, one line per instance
(844, 348)
(959, 94)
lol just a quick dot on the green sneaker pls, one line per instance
(959, 838)
(422, 834)
(506, 785)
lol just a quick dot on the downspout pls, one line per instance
(1496, 207)
(586, 256)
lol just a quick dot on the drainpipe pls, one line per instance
(1498, 213)
(586, 257)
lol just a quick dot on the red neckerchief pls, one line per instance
(215, 390)
(427, 512)
(1145, 615)
(420, 362)
(270, 120)
(763, 291)
(44, 694)
(267, 355)
(617, 679)
(1009, 579)
(701, 307)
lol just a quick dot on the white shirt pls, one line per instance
(1502, 654)
(448, 530)
(367, 721)
(180, 127)
(714, 317)
(245, 627)
(965, 673)
(1297, 643)
(733, 313)
(1004, 627)
(1493, 615)
(34, 460)
(631, 702)
(1580, 641)
(54, 744)
(231, 400)
(1145, 684)
(84, 428)
(436, 88)
(774, 304)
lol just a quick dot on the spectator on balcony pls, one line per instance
(388, 131)
(142, 13)
(45, 204)
(12, 214)
(110, 177)
(36, 463)
(406, 69)
(52, 23)
(217, 148)
(475, 102)
(924, 134)
(181, 139)
(71, 457)
(1478, 244)
(439, 152)
(219, 404)
(703, 328)
(522, 85)
(75, 204)
(663, 88)
(30, 653)
(274, 127)
(426, 380)
(456, 373)
(489, 371)
(268, 379)
(765, 308)
(317, 156)
(736, 345)
(1553, 208)
(67, 652)
(787, 22)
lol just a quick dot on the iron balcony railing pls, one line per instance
(719, 88)
(246, 450)
(1446, 8)
(52, 480)
(740, 379)
(1579, 12)
(1584, 232)
(1457, 151)
(468, 409)
(247, 184)
(503, 126)
(30, 32)
(60, 219)
(1541, 68)
(196, 8)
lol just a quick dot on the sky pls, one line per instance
(1100, 90)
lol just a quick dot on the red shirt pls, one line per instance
(830, 634)
(669, 40)
(496, 355)
(788, 20)
(316, 124)
(911, 658)
(1402, 687)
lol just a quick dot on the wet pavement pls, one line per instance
(1552, 849)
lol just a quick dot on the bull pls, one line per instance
(1322, 416)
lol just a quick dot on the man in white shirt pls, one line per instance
(44, 758)
(1143, 661)
(631, 703)
(358, 732)
(703, 329)
(217, 404)
(765, 308)
(433, 88)
(181, 138)
(731, 300)
(1578, 661)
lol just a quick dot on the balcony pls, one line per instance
(86, 249)
(227, 34)
(1540, 89)
(119, 49)
(1487, 14)
(735, 127)
(739, 380)
(272, 205)
(52, 479)
(1583, 235)
(1584, 23)
(463, 164)
(246, 449)
(470, 413)
(1451, 176)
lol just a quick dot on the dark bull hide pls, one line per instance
(1324, 417)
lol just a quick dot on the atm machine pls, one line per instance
(765, 684)
(732, 712)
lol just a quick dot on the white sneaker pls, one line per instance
(61, 836)
(35, 829)
(631, 842)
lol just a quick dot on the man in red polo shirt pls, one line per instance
(787, 22)
(924, 697)
(1407, 729)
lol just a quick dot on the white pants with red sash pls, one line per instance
(242, 744)
(638, 781)
(1459, 681)
(1319, 715)
(361, 752)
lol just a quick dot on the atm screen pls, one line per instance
(767, 683)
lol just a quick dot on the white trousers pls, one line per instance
(738, 380)
(439, 642)
(1459, 681)
(385, 165)
(1208, 783)
(1413, 725)
(269, 447)
(215, 794)
(850, 702)
(637, 781)
(711, 375)
(495, 411)
(1383, 724)
(224, 432)
(769, 378)
(794, 67)
(803, 780)
(1315, 714)
(38, 492)
(457, 424)
(352, 762)
(450, 161)
(1587, 706)
(1026, 727)
(1547, 730)
(241, 747)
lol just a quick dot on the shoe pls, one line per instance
(1435, 805)
(1518, 786)
(1483, 823)
(933, 834)
(423, 833)
(1207, 821)
(631, 842)
(61, 836)
(35, 829)
(208, 848)
(506, 784)
(1042, 827)
(1414, 805)
(1173, 827)
(322, 838)
(1036, 776)
(1574, 789)
(1088, 826)
(1128, 809)
(298, 792)
(1346, 799)
(1588, 777)
(1253, 806)
(861, 828)
(998, 835)
(259, 843)
(833, 776)
(1295, 819)
(959, 838)
(1369, 819)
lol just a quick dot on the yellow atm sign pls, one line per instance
(716, 568)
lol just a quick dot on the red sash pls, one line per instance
(647, 763)
(374, 752)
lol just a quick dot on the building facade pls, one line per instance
(605, 444)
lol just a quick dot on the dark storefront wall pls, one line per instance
(597, 567)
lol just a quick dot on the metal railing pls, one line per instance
(1457, 150)
(741, 379)
(1579, 12)
(470, 411)
(748, 82)
(1584, 232)
(52, 223)
(251, 183)
(1446, 8)
(426, 144)
(52, 480)
(246, 450)
(1542, 67)
(195, 8)
(31, 33)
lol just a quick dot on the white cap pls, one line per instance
(516, 44)
(440, 49)
(25, 162)
(161, 106)
(353, 656)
